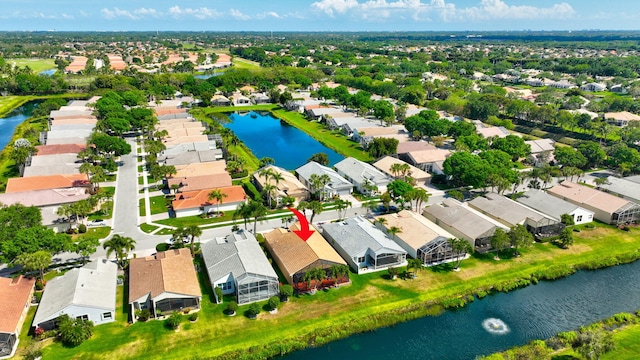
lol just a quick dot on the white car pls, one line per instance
(97, 222)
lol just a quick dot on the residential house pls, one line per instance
(336, 186)
(464, 223)
(419, 237)
(365, 177)
(555, 207)
(237, 265)
(193, 157)
(289, 186)
(220, 100)
(22, 184)
(296, 257)
(419, 177)
(211, 168)
(163, 283)
(200, 182)
(240, 100)
(593, 87)
(618, 89)
(427, 160)
(607, 208)
(511, 213)
(60, 149)
(365, 247)
(197, 202)
(622, 118)
(625, 188)
(491, 131)
(15, 300)
(541, 151)
(87, 293)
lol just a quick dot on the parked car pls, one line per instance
(97, 222)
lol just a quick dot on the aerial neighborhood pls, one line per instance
(149, 199)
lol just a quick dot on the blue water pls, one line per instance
(535, 312)
(206, 76)
(48, 72)
(10, 121)
(266, 136)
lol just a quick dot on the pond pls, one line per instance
(9, 122)
(267, 136)
(499, 321)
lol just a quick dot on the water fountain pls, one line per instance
(495, 326)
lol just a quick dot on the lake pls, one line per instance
(10, 121)
(267, 136)
(499, 321)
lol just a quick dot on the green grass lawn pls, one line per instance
(35, 64)
(140, 180)
(215, 334)
(100, 232)
(148, 228)
(627, 344)
(241, 63)
(158, 204)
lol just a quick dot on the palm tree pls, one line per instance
(65, 211)
(193, 231)
(393, 231)
(460, 247)
(395, 169)
(420, 196)
(243, 210)
(269, 190)
(258, 212)
(315, 207)
(177, 236)
(342, 205)
(415, 264)
(120, 245)
(318, 182)
(382, 221)
(39, 260)
(218, 196)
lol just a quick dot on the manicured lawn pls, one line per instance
(100, 232)
(158, 204)
(35, 64)
(627, 344)
(215, 334)
(241, 63)
(140, 180)
(148, 228)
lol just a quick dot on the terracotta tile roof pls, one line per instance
(294, 255)
(168, 110)
(45, 197)
(81, 119)
(584, 195)
(60, 149)
(192, 183)
(199, 198)
(14, 295)
(15, 185)
(408, 146)
(185, 139)
(169, 271)
(201, 169)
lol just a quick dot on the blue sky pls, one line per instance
(318, 15)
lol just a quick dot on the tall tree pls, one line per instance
(218, 196)
(37, 261)
(120, 246)
(193, 231)
(499, 240)
(520, 238)
(460, 247)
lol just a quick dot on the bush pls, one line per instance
(218, 292)
(286, 291)
(173, 321)
(162, 247)
(39, 285)
(568, 337)
(274, 301)
(232, 307)
(38, 296)
(193, 317)
(74, 332)
(254, 310)
(143, 315)
(82, 228)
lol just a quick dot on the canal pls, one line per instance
(267, 136)
(499, 321)
(9, 122)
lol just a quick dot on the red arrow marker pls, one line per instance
(304, 233)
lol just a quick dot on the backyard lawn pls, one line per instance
(215, 334)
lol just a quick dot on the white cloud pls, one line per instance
(117, 13)
(331, 6)
(199, 13)
(238, 15)
(269, 14)
(142, 12)
(446, 11)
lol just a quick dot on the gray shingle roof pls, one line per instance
(628, 189)
(93, 285)
(454, 214)
(237, 253)
(501, 208)
(359, 171)
(337, 182)
(548, 204)
(356, 235)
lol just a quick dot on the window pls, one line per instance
(579, 218)
(83, 317)
(226, 286)
(106, 316)
(360, 260)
